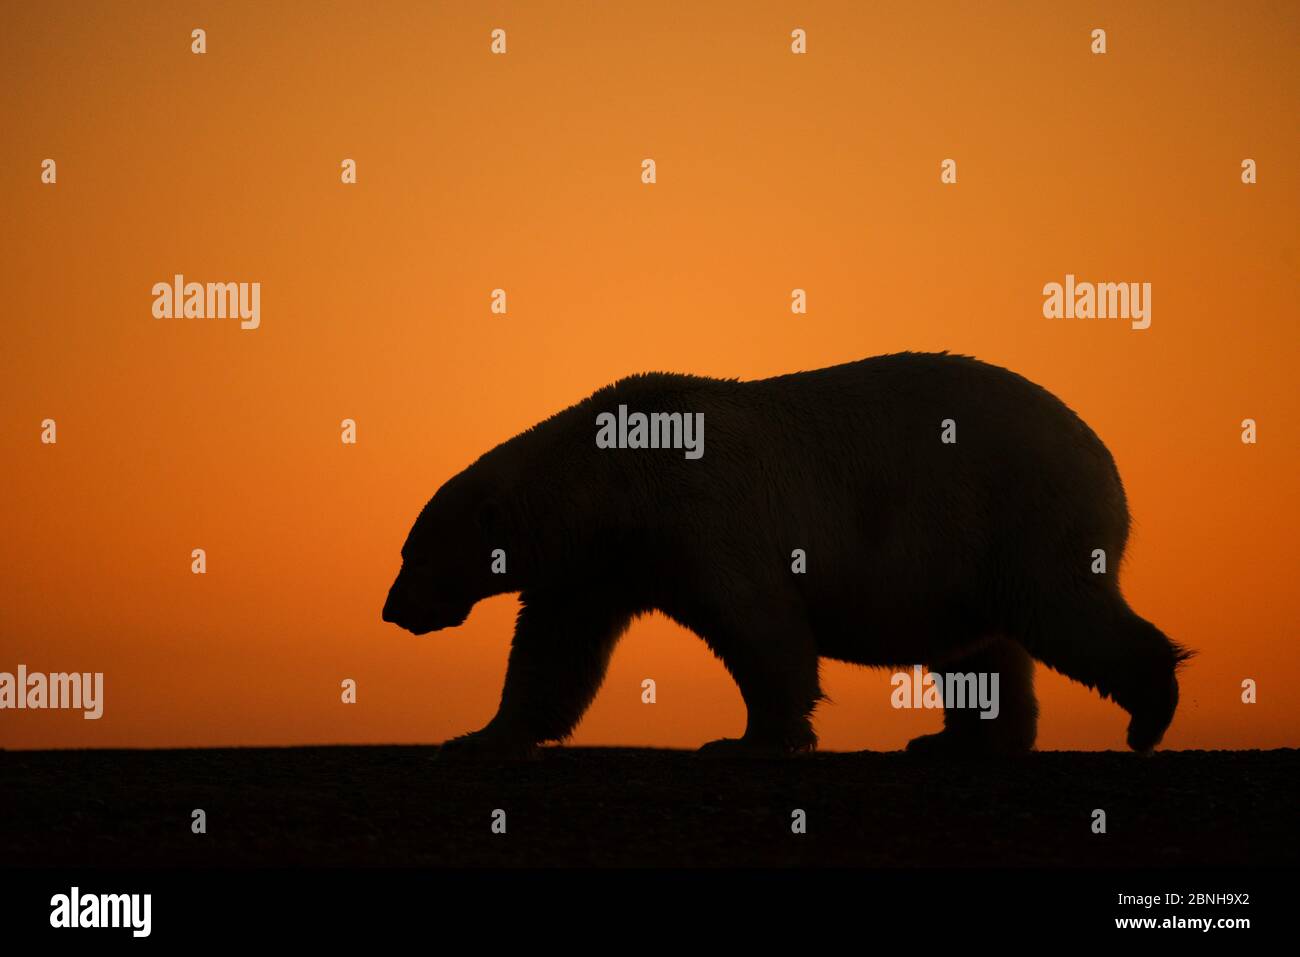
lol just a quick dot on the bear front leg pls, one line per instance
(771, 653)
(558, 660)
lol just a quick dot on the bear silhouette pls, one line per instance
(949, 512)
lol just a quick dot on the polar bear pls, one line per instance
(942, 511)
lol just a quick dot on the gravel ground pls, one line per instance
(333, 806)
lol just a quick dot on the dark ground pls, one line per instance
(622, 806)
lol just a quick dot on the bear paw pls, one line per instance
(751, 748)
(948, 744)
(485, 745)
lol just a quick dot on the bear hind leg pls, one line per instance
(965, 729)
(1103, 644)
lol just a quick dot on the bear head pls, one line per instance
(447, 562)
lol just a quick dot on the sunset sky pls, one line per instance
(477, 171)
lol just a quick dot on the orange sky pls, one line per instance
(522, 171)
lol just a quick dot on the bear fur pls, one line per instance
(970, 556)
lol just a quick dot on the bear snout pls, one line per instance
(393, 606)
(418, 615)
(400, 610)
(391, 612)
